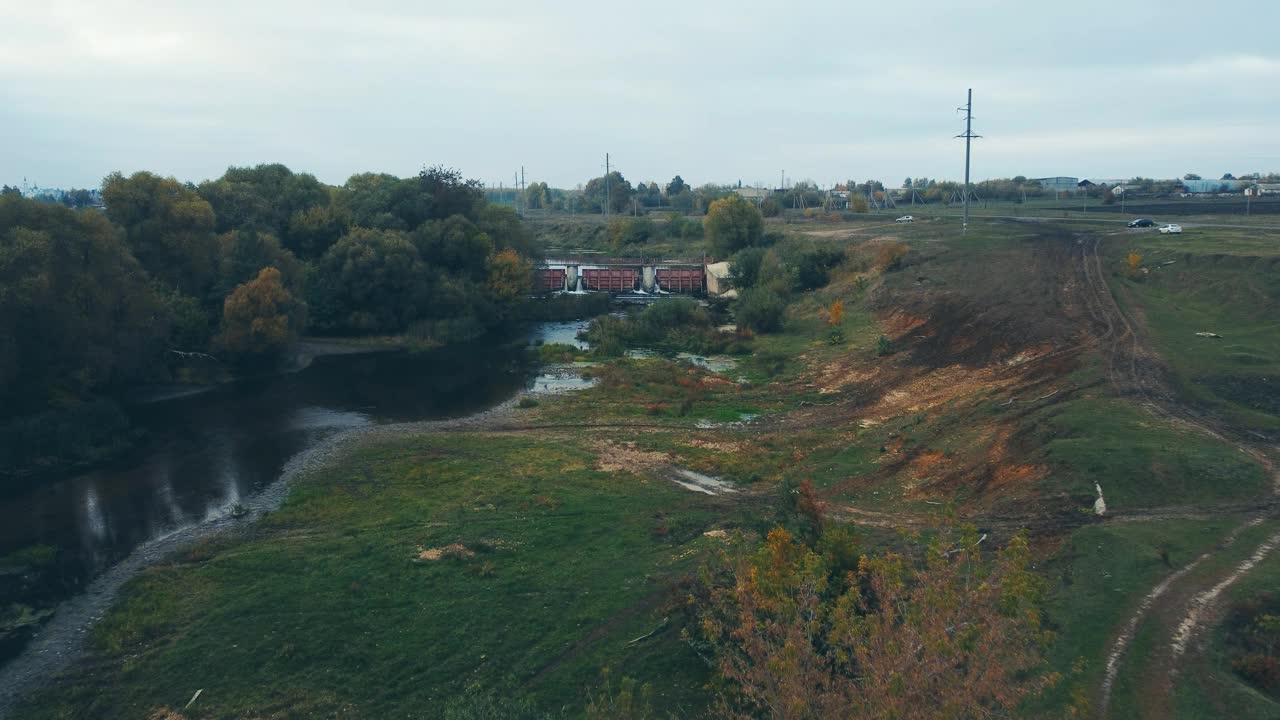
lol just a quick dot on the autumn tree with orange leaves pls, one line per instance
(260, 318)
(1133, 265)
(811, 633)
(835, 321)
(510, 279)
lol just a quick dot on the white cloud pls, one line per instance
(1224, 68)
(712, 90)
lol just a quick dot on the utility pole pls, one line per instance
(606, 185)
(968, 138)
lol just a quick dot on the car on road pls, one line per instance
(1141, 222)
(905, 219)
(1171, 229)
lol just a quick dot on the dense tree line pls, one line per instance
(234, 269)
(617, 194)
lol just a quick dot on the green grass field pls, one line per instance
(329, 611)
(1220, 281)
(1097, 578)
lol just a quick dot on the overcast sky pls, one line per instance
(712, 91)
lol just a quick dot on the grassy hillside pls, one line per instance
(970, 376)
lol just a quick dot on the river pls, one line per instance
(210, 456)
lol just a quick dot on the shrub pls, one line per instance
(761, 310)
(745, 267)
(835, 313)
(527, 402)
(673, 324)
(771, 363)
(631, 231)
(884, 346)
(557, 353)
(812, 267)
(889, 257)
(1253, 640)
(1133, 266)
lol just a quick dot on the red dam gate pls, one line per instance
(680, 280)
(610, 279)
(552, 279)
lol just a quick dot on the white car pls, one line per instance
(905, 219)
(1171, 229)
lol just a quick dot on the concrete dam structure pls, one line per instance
(622, 275)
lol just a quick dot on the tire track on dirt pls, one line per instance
(1182, 593)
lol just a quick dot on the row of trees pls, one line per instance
(236, 268)
(677, 195)
(617, 194)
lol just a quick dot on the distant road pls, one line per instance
(1113, 221)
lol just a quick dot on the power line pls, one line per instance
(968, 138)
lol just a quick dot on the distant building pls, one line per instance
(755, 195)
(1058, 184)
(1267, 189)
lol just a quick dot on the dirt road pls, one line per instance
(1187, 603)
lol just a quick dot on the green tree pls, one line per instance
(260, 319)
(369, 281)
(707, 194)
(456, 245)
(676, 186)
(167, 226)
(314, 230)
(620, 193)
(506, 229)
(745, 266)
(760, 309)
(266, 198)
(732, 224)
(244, 253)
(77, 312)
(449, 193)
(537, 196)
(368, 200)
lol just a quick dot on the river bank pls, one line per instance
(519, 486)
(221, 453)
(60, 642)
